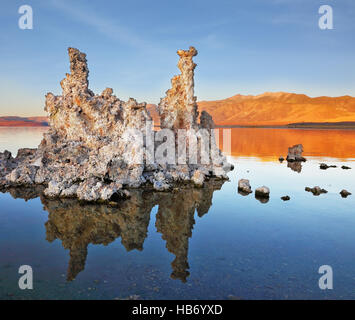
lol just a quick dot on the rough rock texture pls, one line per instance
(317, 191)
(295, 153)
(262, 192)
(244, 187)
(87, 152)
(179, 108)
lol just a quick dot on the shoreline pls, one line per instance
(294, 126)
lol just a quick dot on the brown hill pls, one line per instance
(279, 108)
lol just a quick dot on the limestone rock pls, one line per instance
(198, 178)
(262, 192)
(90, 153)
(179, 108)
(244, 187)
(295, 153)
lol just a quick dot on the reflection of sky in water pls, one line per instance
(241, 247)
(14, 138)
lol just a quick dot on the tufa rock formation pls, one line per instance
(90, 153)
(295, 153)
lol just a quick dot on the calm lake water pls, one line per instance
(207, 243)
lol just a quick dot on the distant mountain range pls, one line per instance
(12, 121)
(279, 108)
(268, 109)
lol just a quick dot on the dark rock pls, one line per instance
(324, 166)
(344, 193)
(285, 198)
(262, 199)
(345, 168)
(316, 190)
(262, 192)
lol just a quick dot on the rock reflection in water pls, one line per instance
(295, 166)
(79, 224)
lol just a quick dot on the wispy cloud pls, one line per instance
(107, 27)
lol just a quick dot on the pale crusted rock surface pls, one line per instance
(198, 178)
(244, 187)
(87, 152)
(262, 192)
(295, 153)
(179, 108)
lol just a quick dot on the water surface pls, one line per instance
(208, 243)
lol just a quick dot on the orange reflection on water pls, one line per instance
(269, 143)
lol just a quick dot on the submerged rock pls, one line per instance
(345, 193)
(316, 190)
(244, 187)
(99, 145)
(295, 153)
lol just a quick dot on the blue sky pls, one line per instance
(245, 47)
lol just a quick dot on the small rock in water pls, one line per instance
(324, 166)
(295, 153)
(262, 192)
(345, 193)
(316, 190)
(281, 159)
(285, 198)
(244, 187)
(345, 168)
